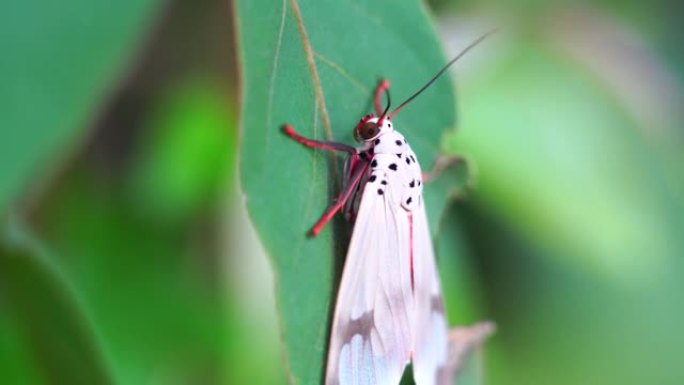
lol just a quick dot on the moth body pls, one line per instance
(389, 309)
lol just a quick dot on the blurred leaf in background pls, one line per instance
(187, 149)
(163, 320)
(128, 176)
(59, 63)
(572, 121)
(43, 322)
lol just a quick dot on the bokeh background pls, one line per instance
(127, 256)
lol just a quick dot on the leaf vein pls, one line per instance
(357, 83)
(274, 70)
(308, 50)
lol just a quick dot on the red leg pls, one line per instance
(382, 86)
(340, 201)
(323, 145)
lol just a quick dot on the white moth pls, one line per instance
(389, 310)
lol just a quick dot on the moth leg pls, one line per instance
(320, 144)
(340, 201)
(379, 90)
(442, 162)
(463, 340)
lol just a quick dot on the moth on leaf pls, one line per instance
(389, 309)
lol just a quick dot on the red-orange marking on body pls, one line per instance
(410, 218)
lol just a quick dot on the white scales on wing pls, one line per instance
(389, 309)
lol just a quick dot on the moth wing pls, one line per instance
(371, 339)
(431, 329)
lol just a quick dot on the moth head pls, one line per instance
(371, 127)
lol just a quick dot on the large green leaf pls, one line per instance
(315, 65)
(38, 308)
(59, 60)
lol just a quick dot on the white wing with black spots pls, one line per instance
(394, 143)
(372, 336)
(431, 329)
(389, 307)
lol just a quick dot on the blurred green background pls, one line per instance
(126, 256)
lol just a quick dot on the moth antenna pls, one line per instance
(389, 103)
(441, 71)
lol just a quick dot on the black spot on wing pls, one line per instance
(377, 141)
(398, 142)
(383, 182)
(374, 163)
(393, 167)
(413, 183)
(372, 178)
(409, 200)
(408, 161)
(381, 191)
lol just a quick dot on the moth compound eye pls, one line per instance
(368, 130)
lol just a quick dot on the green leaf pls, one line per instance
(59, 61)
(315, 66)
(56, 338)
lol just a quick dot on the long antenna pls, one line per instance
(389, 103)
(441, 71)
